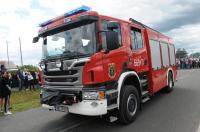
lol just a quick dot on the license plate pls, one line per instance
(62, 109)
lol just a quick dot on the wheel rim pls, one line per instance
(132, 104)
(170, 82)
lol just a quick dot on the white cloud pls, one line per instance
(187, 36)
(13, 5)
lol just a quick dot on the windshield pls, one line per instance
(79, 41)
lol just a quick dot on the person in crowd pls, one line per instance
(10, 82)
(37, 79)
(193, 63)
(26, 80)
(187, 63)
(30, 81)
(199, 63)
(181, 63)
(6, 89)
(196, 60)
(178, 63)
(20, 78)
(34, 77)
(1, 94)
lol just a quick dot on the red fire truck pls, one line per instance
(97, 65)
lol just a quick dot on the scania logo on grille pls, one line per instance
(48, 80)
(69, 80)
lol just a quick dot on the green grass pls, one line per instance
(24, 100)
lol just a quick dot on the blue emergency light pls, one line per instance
(70, 13)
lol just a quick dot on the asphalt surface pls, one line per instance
(178, 111)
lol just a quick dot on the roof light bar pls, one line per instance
(78, 10)
(67, 14)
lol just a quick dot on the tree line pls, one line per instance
(182, 53)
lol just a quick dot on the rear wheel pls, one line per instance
(129, 104)
(170, 86)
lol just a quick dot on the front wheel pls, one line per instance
(129, 104)
(170, 85)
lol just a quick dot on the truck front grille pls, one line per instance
(69, 76)
(64, 78)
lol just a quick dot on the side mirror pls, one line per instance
(112, 40)
(35, 39)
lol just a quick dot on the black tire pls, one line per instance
(129, 104)
(170, 86)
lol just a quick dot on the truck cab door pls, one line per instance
(139, 57)
(112, 60)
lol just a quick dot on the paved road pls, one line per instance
(178, 111)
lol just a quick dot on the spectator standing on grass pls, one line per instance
(10, 82)
(31, 81)
(37, 79)
(34, 77)
(20, 78)
(6, 89)
(26, 80)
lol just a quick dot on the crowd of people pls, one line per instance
(25, 80)
(188, 63)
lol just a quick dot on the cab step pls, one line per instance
(145, 93)
(144, 82)
(145, 96)
(113, 119)
(145, 99)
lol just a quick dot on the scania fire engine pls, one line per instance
(98, 65)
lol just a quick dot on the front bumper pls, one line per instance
(85, 107)
(51, 98)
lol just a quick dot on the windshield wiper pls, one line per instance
(52, 57)
(73, 54)
(66, 51)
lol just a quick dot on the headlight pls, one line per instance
(93, 95)
(90, 95)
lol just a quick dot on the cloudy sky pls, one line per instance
(179, 19)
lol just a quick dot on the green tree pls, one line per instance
(181, 53)
(29, 68)
(195, 55)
